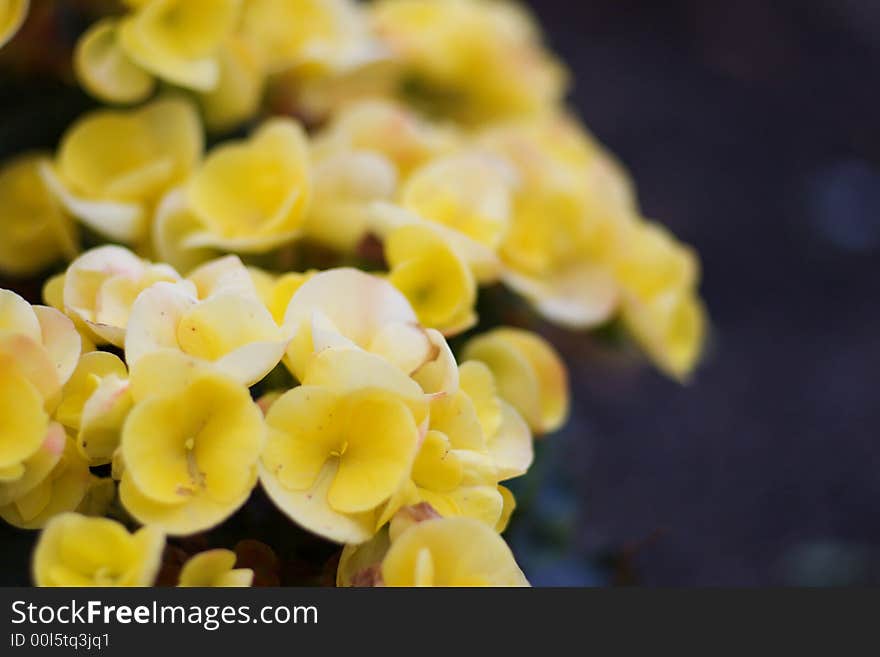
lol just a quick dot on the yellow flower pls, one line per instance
(469, 192)
(349, 308)
(95, 403)
(249, 196)
(12, 15)
(36, 232)
(61, 490)
(342, 443)
(75, 550)
(324, 34)
(105, 70)
(469, 59)
(178, 40)
(384, 218)
(214, 568)
(433, 277)
(346, 182)
(190, 445)
(450, 552)
(660, 305)
(101, 285)
(229, 326)
(112, 189)
(380, 126)
(529, 373)
(571, 201)
(422, 549)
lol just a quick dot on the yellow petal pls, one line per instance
(36, 467)
(23, 422)
(357, 304)
(456, 552)
(198, 514)
(436, 466)
(36, 231)
(105, 70)
(214, 568)
(529, 373)
(12, 15)
(381, 439)
(511, 445)
(239, 89)
(310, 509)
(177, 40)
(62, 342)
(305, 427)
(435, 280)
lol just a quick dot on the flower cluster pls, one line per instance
(277, 309)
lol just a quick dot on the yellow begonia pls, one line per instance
(469, 59)
(62, 489)
(222, 321)
(323, 34)
(571, 201)
(470, 192)
(346, 182)
(190, 444)
(660, 304)
(36, 232)
(401, 136)
(75, 550)
(450, 552)
(249, 196)
(342, 443)
(347, 307)
(12, 15)
(105, 70)
(214, 568)
(179, 40)
(95, 403)
(475, 440)
(113, 189)
(425, 550)
(529, 373)
(101, 285)
(433, 276)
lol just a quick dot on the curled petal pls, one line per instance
(105, 70)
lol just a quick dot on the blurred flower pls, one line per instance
(469, 59)
(74, 550)
(529, 372)
(36, 232)
(111, 189)
(214, 568)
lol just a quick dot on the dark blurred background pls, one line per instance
(753, 131)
